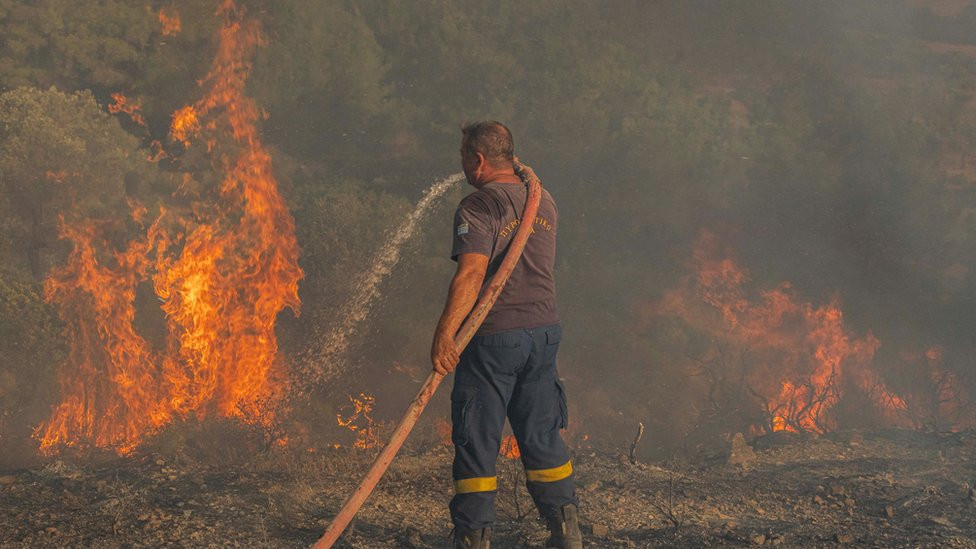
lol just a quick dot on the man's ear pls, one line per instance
(482, 161)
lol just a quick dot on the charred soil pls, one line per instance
(878, 489)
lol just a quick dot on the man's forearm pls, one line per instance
(461, 298)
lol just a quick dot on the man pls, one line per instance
(509, 368)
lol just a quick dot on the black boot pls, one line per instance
(472, 539)
(565, 529)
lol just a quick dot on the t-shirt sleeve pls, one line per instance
(472, 230)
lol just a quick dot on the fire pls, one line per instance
(801, 355)
(122, 104)
(185, 123)
(358, 419)
(223, 273)
(237, 271)
(510, 447)
(583, 441)
(111, 391)
(156, 151)
(170, 20)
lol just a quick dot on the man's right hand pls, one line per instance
(443, 354)
(460, 299)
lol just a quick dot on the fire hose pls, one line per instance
(461, 339)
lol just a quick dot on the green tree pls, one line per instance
(108, 46)
(322, 79)
(30, 350)
(72, 44)
(61, 154)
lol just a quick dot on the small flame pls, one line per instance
(510, 447)
(156, 151)
(358, 418)
(184, 125)
(133, 109)
(169, 18)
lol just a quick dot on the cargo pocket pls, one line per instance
(553, 335)
(462, 408)
(563, 406)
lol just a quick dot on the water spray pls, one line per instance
(327, 360)
(461, 339)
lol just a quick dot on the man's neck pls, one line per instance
(508, 179)
(500, 176)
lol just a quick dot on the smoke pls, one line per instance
(326, 361)
(827, 146)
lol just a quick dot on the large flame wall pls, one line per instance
(223, 273)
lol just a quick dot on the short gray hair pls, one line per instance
(490, 138)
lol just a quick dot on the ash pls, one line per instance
(876, 488)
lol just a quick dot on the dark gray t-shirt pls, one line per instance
(485, 223)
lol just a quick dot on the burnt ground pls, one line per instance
(877, 489)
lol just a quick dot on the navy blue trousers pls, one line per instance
(509, 374)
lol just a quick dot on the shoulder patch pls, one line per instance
(462, 229)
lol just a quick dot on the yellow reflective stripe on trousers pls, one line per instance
(549, 475)
(477, 484)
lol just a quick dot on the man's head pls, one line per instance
(487, 151)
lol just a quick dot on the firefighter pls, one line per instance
(509, 367)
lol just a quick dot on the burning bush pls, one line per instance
(64, 162)
(223, 262)
(771, 362)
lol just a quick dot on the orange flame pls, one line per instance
(109, 383)
(184, 125)
(122, 104)
(156, 151)
(223, 274)
(801, 351)
(358, 419)
(237, 272)
(510, 447)
(170, 20)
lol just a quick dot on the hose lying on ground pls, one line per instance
(461, 339)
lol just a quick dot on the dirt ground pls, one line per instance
(872, 489)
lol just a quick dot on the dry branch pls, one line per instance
(633, 445)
